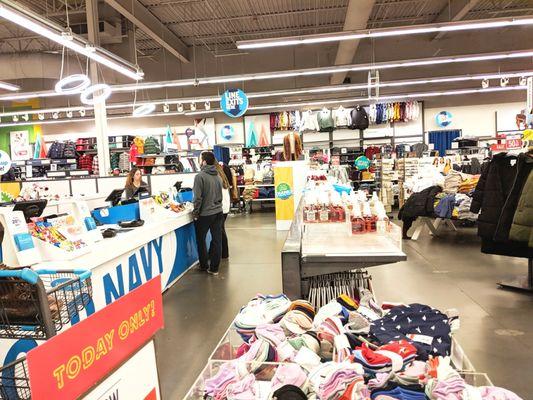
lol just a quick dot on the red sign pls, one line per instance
(194, 141)
(498, 147)
(513, 143)
(69, 364)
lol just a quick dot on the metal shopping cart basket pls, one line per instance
(15, 381)
(36, 305)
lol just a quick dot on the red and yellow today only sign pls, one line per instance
(69, 364)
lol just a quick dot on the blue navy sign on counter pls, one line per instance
(234, 102)
(444, 118)
(5, 162)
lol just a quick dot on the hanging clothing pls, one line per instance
(359, 118)
(493, 189)
(342, 118)
(522, 226)
(308, 122)
(325, 121)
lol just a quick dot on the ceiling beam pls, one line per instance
(134, 11)
(455, 10)
(357, 16)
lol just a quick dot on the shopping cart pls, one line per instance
(15, 381)
(37, 305)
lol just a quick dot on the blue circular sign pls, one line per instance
(227, 132)
(444, 118)
(234, 102)
(362, 163)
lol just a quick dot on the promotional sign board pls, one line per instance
(69, 364)
(20, 145)
(234, 102)
(5, 162)
(443, 119)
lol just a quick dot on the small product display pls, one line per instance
(49, 233)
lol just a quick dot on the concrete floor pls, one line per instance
(446, 272)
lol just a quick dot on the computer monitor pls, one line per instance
(31, 208)
(141, 192)
(115, 196)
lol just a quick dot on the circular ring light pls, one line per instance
(143, 109)
(73, 84)
(95, 94)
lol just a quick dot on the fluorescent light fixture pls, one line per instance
(95, 94)
(290, 92)
(318, 104)
(9, 86)
(385, 32)
(35, 23)
(326, 70)
(144, 109)
(73, 84)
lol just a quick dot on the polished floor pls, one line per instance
(445, 272)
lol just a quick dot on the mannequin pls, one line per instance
(292, 147)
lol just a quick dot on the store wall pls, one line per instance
(476, 120)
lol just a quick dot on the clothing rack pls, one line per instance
(522, 283)
(325, 288)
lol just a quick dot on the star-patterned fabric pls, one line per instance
(425, 327)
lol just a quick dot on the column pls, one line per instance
(100, 115)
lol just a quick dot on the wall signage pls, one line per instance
(234, 102)
(444, 119)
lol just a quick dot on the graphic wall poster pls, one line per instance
(5, 162)
(257, 130)
(68, 365)
(443, 119)
(234, 102)
(230, 133)
(200, 135)
(20, 145)
(283, 182)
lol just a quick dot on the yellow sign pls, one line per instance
(283, 182)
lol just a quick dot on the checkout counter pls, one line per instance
(163, 246)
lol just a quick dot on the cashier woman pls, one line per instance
(134, 182)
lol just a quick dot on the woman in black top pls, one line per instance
(134, 182)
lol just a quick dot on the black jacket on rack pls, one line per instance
(359, 118)
(496, 195)
(420, 204)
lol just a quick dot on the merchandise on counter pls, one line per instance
(48, 233)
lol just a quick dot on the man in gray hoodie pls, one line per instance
(207, 213)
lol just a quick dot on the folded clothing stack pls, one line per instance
(299, 317)
(260, 310)
(393, 356)
(426, 328)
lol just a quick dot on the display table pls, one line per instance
(318, 249)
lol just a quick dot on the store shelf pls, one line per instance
(256, 185)
(259, 200)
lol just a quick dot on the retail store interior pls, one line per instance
(237, 199)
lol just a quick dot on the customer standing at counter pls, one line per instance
(134, 182)
(226, 205)
(207, 213)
